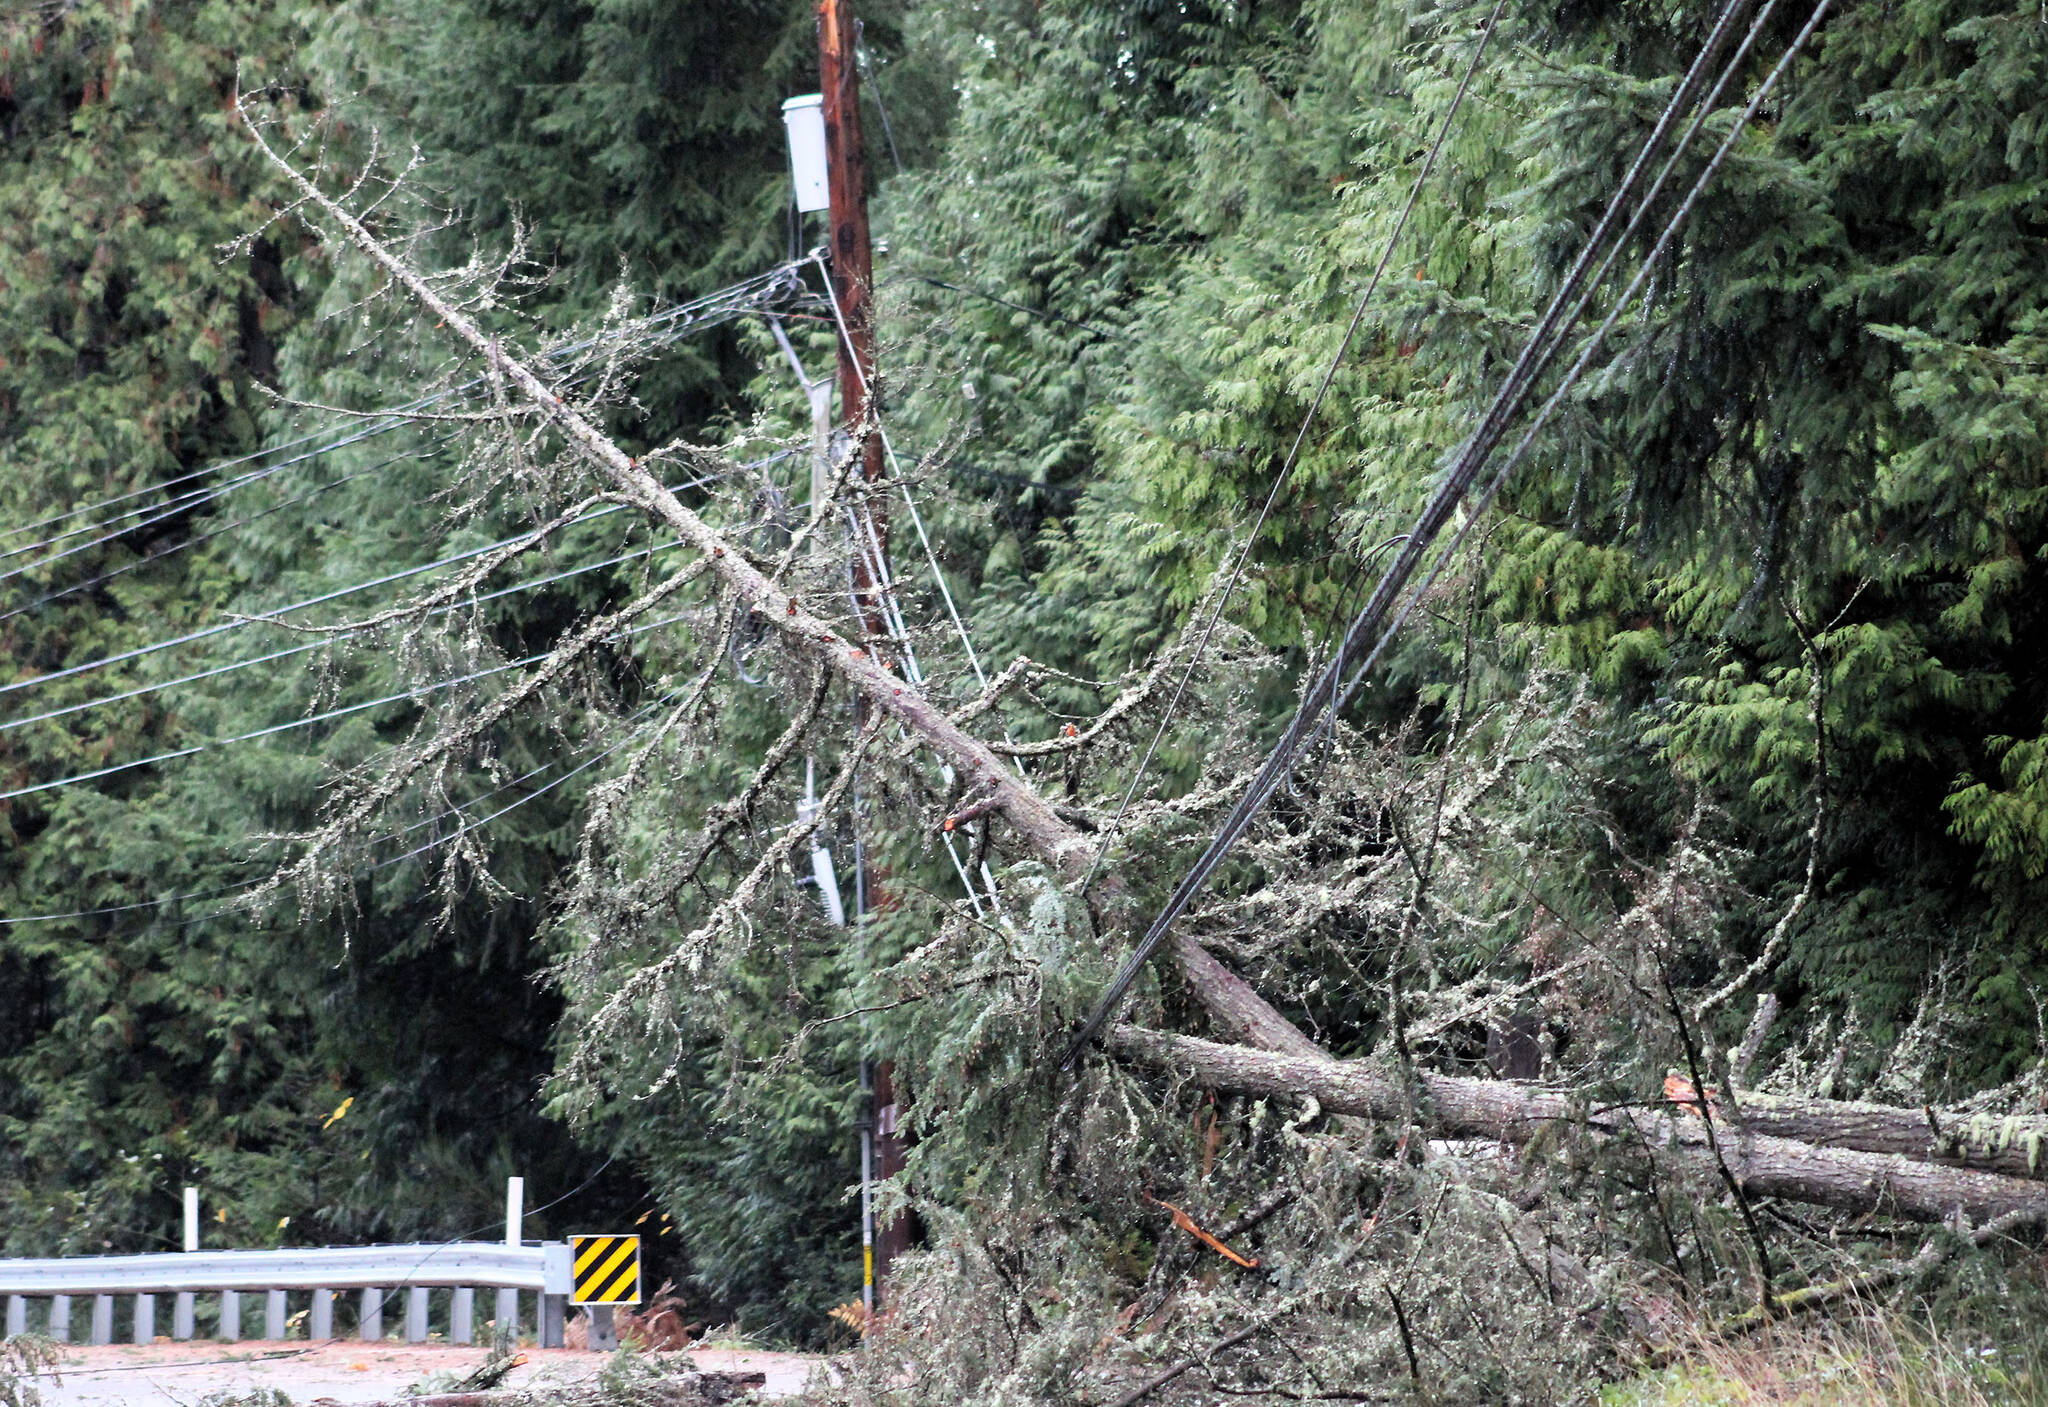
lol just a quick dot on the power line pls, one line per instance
(903, 486)
(10, 724)
(1045, 313)
(1294, 451)
(184, 503)
(179, 546)
(735, 301)
(195, 499)
(251, 886)
(1536, 354)
(1599, 336)
(482, 821)
(868, 546)
(308, 722)
(209, 631)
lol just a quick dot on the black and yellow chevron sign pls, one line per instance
(607, 1269)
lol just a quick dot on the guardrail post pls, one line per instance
(604, 1332)
(416, 1314)
(507, 1328)
(145, 1319)
(273, 1314)
(462, 1315)
(60, 1318)
(102, 1319)
(322, 1327)
(553, 1311)
(17, 1315)
(230, 1316)
(182, 1308)
(373, 1314)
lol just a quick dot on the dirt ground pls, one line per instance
(179, 1374)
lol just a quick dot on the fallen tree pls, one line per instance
(1763, 1164)
(1857, 1157)
(2012, 1145)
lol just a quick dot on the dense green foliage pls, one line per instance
(176, 1039)
(1761, 608)
(1786, 527)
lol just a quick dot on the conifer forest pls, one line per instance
(1358, 690)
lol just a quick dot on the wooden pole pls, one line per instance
(852, 256)
(852, 284)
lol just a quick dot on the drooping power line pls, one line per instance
(1365, 639)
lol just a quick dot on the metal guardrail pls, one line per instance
(484, 1263)
(461, 1268)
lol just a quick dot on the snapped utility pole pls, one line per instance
(852, 273)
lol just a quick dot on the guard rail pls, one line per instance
(458, 1269)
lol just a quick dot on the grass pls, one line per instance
(1869, 1359)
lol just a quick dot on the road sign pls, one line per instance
(607, 1269)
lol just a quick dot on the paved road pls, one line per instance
(178, 1374)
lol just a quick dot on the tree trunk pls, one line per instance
(2012, 1146)
(1763, 1165)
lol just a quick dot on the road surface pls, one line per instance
(168, 1374)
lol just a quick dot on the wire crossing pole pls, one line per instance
(852, 273)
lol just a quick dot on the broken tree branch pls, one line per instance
(805, 633)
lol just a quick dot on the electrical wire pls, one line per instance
(482, 821)
(309, 721)
(210, 631)
(185, 503)
(515, 588)
(1536, 354)
(778, 283)
(1594, 342)
(867, 543)
(1045, 313)
(102, 578)
(250, 887)
(1294, 451)
(896, 471)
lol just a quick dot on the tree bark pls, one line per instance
(1764, 1165)
(2014, 1147)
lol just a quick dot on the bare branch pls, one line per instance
(804, 632)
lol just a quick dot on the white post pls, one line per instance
(508, 1300)
(371, 1321)
(273, 1314)
(322, 1326)
(17, 1316)
(515, 1205)
(60, 1318)
(462, 1315)
(416, 1314)
(230, 1316)
(182, 1307)
(145, 1319)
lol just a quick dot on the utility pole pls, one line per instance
(852, 258)
(852, 273)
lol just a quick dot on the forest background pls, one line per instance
(1772, 580)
